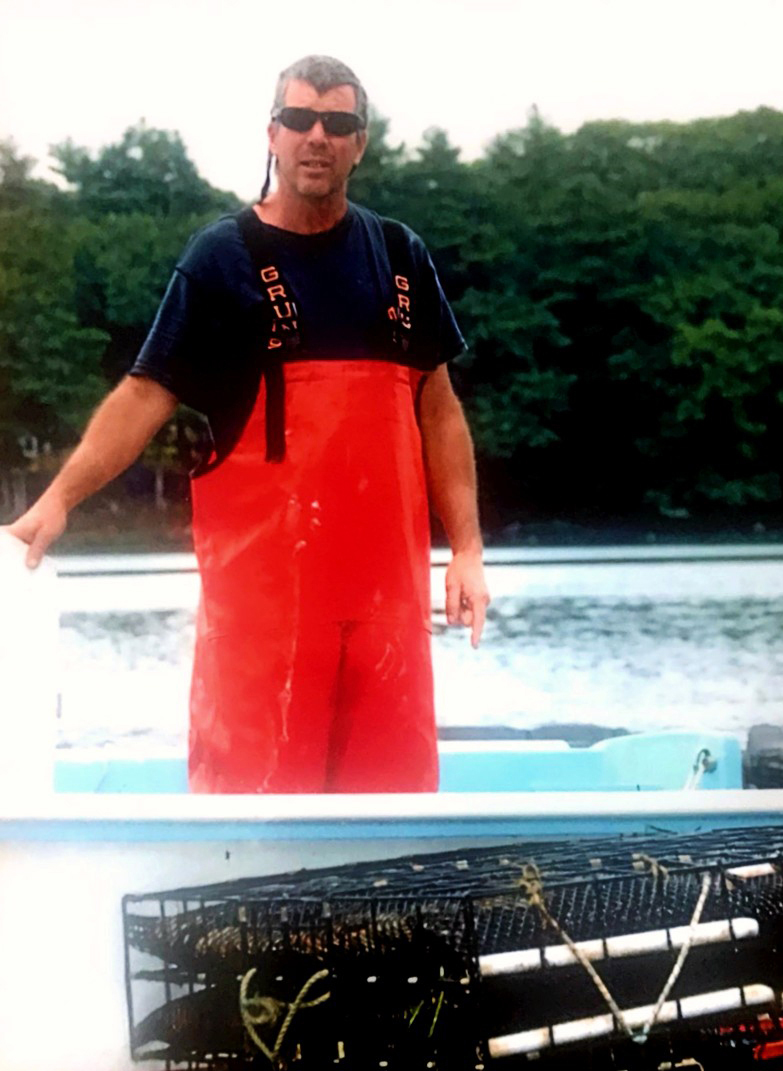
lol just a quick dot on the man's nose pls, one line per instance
(317, 132)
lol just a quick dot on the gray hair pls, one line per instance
(322, 73)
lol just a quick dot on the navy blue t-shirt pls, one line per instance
(204, 343)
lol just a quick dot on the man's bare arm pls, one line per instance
(119, 430)
(451, 472)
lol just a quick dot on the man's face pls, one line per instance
(315, 164)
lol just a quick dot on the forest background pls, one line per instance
(620, 289)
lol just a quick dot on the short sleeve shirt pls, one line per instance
(204, 343)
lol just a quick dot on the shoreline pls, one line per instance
(115, 522)
(172, 534)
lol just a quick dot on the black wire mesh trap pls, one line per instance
(627, 952)
(219, 982)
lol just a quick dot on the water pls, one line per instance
(637, 645)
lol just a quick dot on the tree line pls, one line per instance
(620, 289)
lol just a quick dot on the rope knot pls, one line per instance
(641, 862)
(532, 886)
(259, 1010)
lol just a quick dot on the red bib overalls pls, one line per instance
(312, 670)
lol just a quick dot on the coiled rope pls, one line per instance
(268, 1006)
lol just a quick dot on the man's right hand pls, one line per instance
(40, 527)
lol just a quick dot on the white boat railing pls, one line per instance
(100, 564)
(445, 815)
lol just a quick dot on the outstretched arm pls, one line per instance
(119, 430)
(451, 472)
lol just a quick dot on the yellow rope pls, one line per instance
(657, 870)
(299, 1004)
(437, 1014)
(706, 885)
(531, 884)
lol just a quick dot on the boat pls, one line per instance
(118, 837)
(124, 827)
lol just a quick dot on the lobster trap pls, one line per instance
(219, 980)
(626, 952)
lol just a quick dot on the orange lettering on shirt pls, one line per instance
(270, 274)
(401, 282)
(275, 292)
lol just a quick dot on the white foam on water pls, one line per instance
(639, 645)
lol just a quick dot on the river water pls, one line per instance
(633, 644)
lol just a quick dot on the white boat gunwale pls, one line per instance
(170, 816)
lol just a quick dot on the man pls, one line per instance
(314, 336)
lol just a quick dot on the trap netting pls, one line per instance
(256, 982)
(462, 960)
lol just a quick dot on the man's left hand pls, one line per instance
(467, 597)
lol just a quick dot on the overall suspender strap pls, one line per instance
(275, 410)
(414, 317)
(400, 312)
(282, 334)
(282, 327)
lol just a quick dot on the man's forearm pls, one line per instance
(450, 465)
(120, 429)
(451, 472)
(118, 432)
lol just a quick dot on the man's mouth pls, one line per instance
(317, 165)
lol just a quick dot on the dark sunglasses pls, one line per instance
(337, 124)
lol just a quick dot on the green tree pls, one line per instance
(375, 181)
(148, 171)
(49, 363)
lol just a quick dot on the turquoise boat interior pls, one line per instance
(639, 762)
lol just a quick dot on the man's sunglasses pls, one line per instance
(337, 124)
